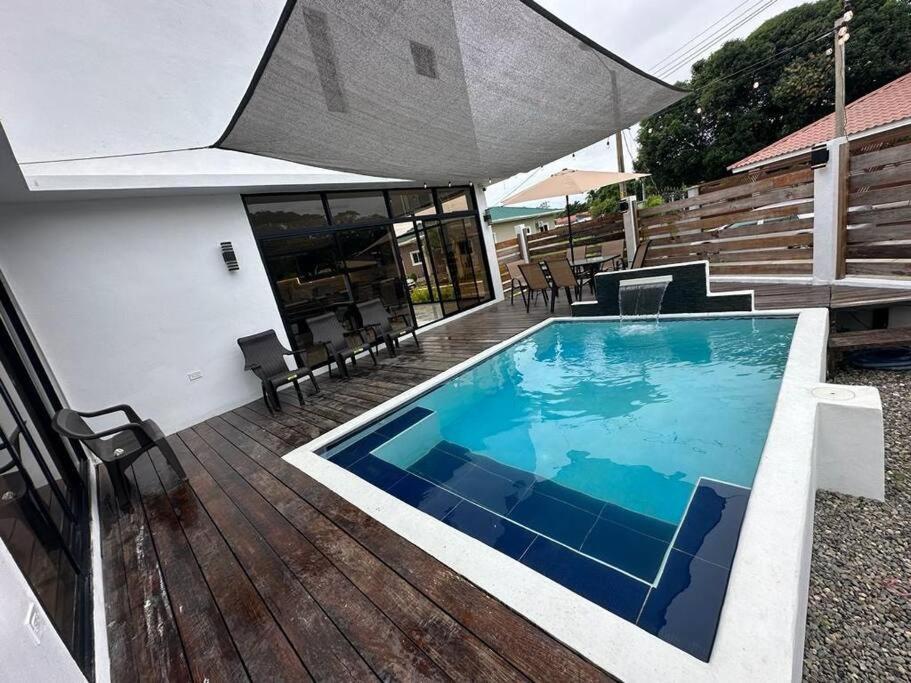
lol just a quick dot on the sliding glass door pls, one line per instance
(418, 250)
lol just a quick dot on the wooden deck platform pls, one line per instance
(252, 570)
(775, 295)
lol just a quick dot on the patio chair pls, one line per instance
(516, 277)
(612, 253)
(562, 275)
(576, 254)
(641, 252)
(340, 344)
(264, 355)
(381, 326)
(535, 282)
(128, 441)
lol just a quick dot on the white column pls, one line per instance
(490, 248)
(630, 228)
(827, 199)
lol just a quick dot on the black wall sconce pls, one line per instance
(624, 206)
(227, 253)
(819, 157)
(486, 217)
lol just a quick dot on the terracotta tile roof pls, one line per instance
(888, 104)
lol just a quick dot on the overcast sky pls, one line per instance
(645, 32)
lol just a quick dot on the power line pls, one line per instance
(711, 42)
(698, 35)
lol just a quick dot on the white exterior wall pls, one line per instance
(29, 653)
(128, 296)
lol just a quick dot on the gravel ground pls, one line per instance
(859, 615)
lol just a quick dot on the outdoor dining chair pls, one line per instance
(516, 279)
(340, 344)
(383, 327)
(264, 355)
(126, 443)
(612, 253)
(576, 254)
(562, 277)
(535, 282)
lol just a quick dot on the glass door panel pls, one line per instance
(443, 261)
(419, 274)
(309, 279)
(370, 263)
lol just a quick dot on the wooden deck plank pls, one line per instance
(266, 652)
(390, 653)
(320, 645)
(207, 644)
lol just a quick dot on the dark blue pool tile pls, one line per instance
(453, 448)
(491, 529)
(650, 526)
(684, 608)
(568, 495)
(354, 452)
(488, 490)
(626, 549)
(424, 496)
(712, 523)
(554, 518)
(378, 472)
(592, 580)
(404, 421)
(488, 464)
(439, 466)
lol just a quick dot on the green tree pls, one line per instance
(727, 118)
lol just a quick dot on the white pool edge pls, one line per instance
(761, 632)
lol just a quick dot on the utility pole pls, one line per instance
(618, 139)
(841, 37)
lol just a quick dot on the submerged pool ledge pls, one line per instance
(761, 624)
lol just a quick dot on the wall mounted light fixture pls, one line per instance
(227, 253)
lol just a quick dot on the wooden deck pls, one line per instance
(771, 295)
(253, 570)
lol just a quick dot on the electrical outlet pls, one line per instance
(35, 622)
(195, 375)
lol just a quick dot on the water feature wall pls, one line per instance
(685, 290)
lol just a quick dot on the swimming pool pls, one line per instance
(616, 458)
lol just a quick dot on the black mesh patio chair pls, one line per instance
(340, 344)
(381, 326)
(126, 443)
(265, 355)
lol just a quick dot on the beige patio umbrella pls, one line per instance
(567, 182)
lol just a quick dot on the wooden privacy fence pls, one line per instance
(879, 206)
(756, 223)
(555, 242)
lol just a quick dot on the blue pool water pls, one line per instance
(614, 457)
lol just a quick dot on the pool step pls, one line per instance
(624, 539)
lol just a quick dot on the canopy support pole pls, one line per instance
(569, 227)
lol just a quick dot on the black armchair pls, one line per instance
(264, 355)
(340, 344)
(381, 326)
(126, 443)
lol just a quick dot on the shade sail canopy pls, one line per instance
(570, 181)
(435, 90)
